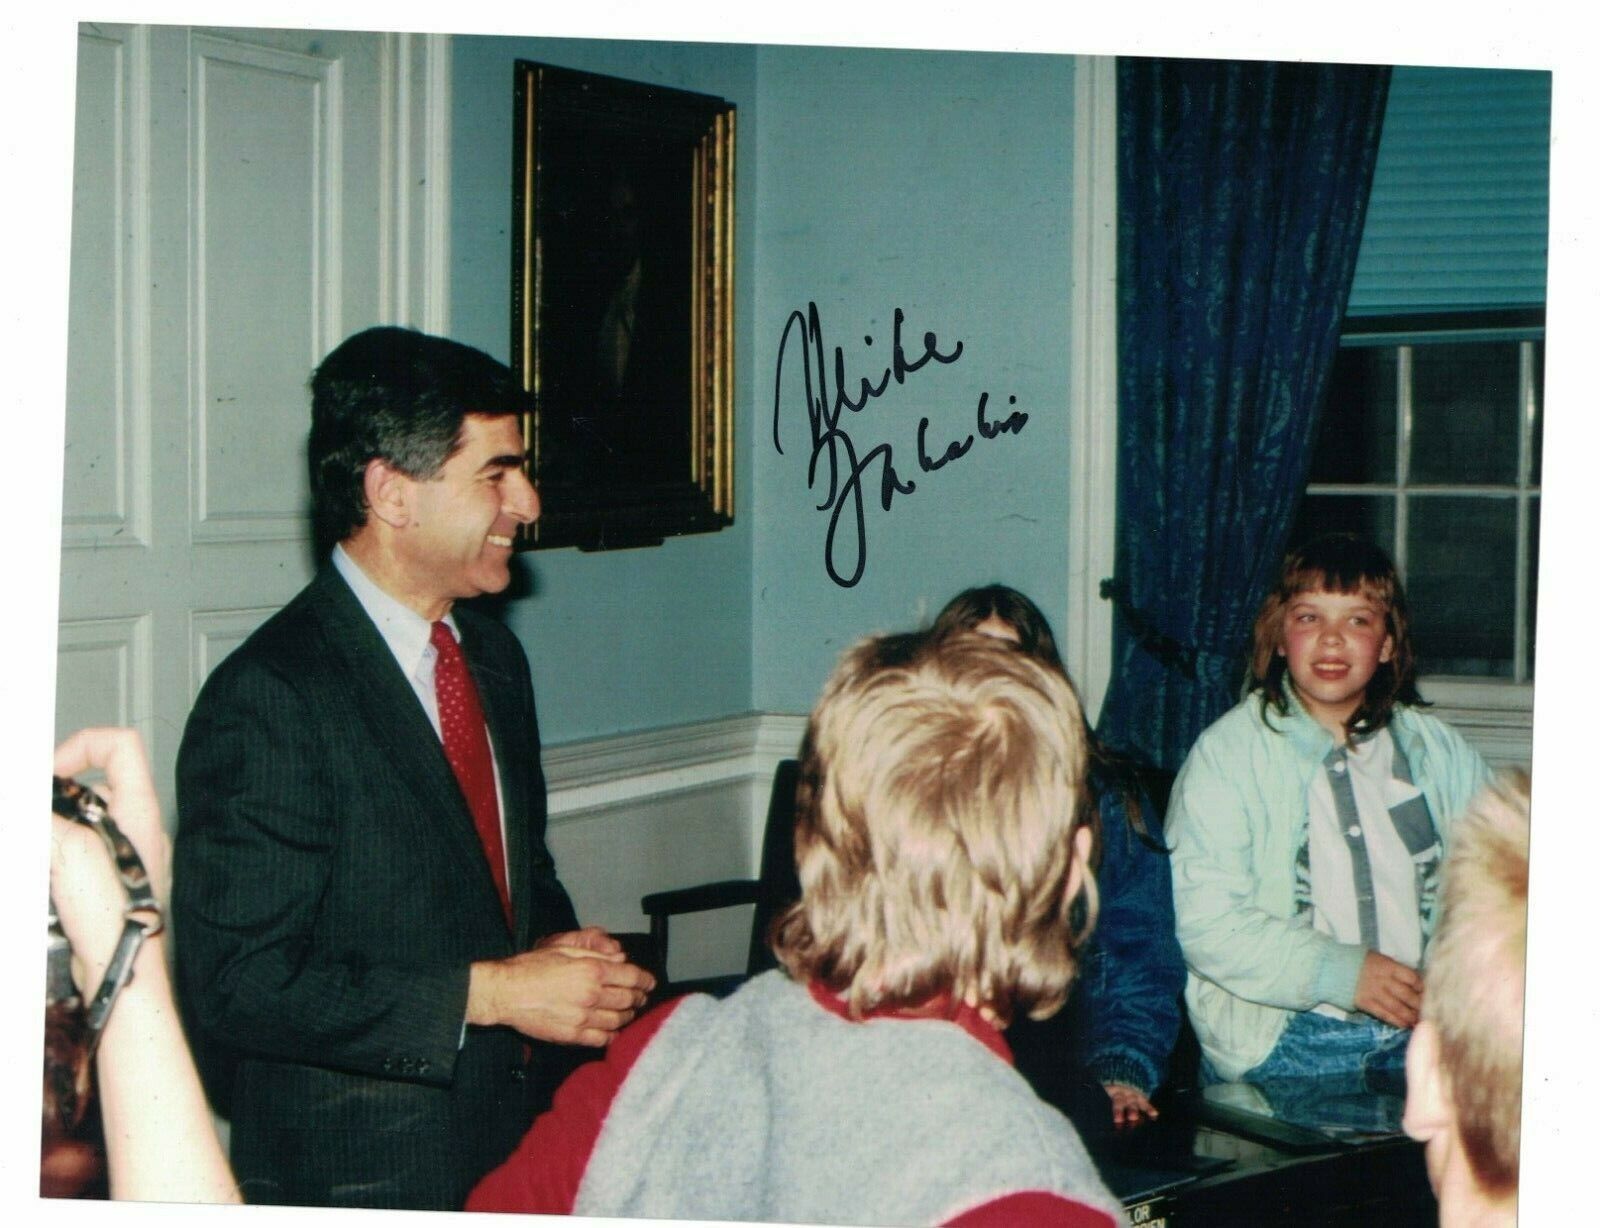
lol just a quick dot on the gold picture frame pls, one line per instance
(622, 306)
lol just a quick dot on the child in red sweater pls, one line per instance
(941, 842)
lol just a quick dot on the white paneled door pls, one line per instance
(242, 200)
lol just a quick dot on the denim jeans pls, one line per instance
(1331, 1075)
(1317, 1046)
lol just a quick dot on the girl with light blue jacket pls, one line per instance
(1307, 828)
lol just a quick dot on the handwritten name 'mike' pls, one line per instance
(830, 441)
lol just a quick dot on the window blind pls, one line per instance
(1459, 215)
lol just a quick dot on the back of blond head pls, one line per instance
(940, 790)
(1475, 977)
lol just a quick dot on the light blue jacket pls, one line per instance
(1236, 821)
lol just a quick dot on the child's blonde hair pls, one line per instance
(1338, 563)
(939, 799)
(1473, 985)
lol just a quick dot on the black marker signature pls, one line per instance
(817, 397)
(830, 441)
(960, 447)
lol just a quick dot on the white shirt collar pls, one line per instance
(405, 631)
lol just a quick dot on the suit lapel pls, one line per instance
(402, 734)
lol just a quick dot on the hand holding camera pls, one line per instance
(109, 880)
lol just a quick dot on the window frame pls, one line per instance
(1497, 711)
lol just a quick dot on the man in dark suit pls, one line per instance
(368, 922)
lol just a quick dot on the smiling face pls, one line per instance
(1334, 643)
(459, 527)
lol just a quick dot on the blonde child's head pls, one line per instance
(1465, 1064)
(939, 832)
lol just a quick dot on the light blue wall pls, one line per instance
(934, 182)
(629, 639)
(939, 183)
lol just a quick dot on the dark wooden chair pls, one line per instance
(777, 887)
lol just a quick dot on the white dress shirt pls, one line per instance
(408, 636)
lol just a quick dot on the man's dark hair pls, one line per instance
(396, 395)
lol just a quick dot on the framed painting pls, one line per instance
(622, 306)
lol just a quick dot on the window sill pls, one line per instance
(1494, 715)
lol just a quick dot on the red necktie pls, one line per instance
(466, 745)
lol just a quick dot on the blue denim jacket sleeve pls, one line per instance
(1133, 975)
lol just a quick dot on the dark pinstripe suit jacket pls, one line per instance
(329, 894)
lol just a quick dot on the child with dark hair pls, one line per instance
(1118, 1030)
(1307, 829)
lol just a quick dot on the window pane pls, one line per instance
(1355, 440)
(1370, 516)
(1461, 579)
(1538, 411)
(1533, 579)
(1464, 425)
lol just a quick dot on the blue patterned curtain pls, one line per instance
(1241, 192)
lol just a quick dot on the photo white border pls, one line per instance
(1564, 999)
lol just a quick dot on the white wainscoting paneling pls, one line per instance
(415, 266)
(103, 674)
(106, 478)
(637, 813)
(258, 323)
(237, 198)
(213, 634)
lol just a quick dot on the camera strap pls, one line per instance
(142, 913)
